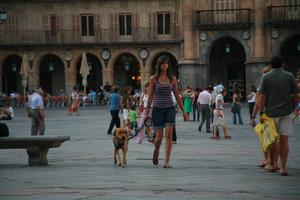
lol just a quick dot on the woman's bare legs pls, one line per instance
(169, 130)
(157, 142)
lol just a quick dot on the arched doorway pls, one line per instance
(173, 67)
(227, 65)
(127, 72)
(94, 79)
(52, 74)
(291, 52)
(11, 78)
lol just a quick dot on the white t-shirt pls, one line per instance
(253, 98)
(204, 97)
(220, 102)
(145, 100)
(11, 111)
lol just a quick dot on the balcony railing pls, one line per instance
(223, 19)
(105, 36)
(284, 16)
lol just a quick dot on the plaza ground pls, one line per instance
(202, 168)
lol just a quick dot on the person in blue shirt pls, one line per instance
(114, 107)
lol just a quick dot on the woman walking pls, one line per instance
(114, 107)
(126, 102)
(163, 114)
(196, 110)
(236, 107)
(251, 99)
(141, 133)
(219, 117)
(74, 108)
(187, 102)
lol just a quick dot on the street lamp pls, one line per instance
(126, 66)
(14, 67)
(68, 57)
(90, 66)
(51, 66)
(227, 48)
(30, 57)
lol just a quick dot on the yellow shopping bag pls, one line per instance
(266, 133)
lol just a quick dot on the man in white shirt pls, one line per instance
(203, 100)
(37, 113)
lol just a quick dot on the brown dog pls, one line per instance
(120, 140)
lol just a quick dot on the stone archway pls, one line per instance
(290, 50)
(94, 79)
(11, 78)
(52, 74)
(127, 71)
(227, 64)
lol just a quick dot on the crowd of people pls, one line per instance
(161, 99)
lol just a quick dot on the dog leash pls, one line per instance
(147, 123)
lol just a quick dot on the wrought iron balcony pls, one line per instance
(284, 16)
(223, 19)
(102, 36)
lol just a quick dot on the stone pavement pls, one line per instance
(202, 168)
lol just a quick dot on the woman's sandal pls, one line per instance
(155, 158)
(167, 166)
(283, 173)
(227, 137)
(263, 164)
(270, 169)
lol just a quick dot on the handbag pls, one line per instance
(234, 108)
(267, 133)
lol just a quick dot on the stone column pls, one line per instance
(107, 76)
(254, 71)
(33, 78)
(187, 26)
(193, 75)
(258, 59)
(145, 74)
(258, 36)
(188, 69)
(70, 77)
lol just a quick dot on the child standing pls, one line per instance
(133, 118)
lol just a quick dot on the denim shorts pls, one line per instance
(163, 117)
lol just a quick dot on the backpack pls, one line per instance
(4, 132)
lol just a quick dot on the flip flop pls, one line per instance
(271, 170)
(155, 158)
(283, 173)
(167, 166)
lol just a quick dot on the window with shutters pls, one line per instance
(125, 24)
(224, 14)
(53, 26)
(87, 25)
(293, 11)
(163, 23)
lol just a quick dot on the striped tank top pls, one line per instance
(163, 95)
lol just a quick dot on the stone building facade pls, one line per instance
(208, 41)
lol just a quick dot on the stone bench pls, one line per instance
(36, 146)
